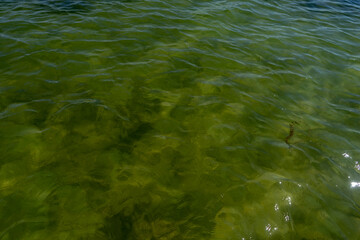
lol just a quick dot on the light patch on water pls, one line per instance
(276, 207)
(355, 184)
(357, 165)
(288, 199)
(270, 229)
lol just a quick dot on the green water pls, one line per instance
(144, 120)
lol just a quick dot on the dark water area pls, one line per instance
(66, 6)
(179, 119)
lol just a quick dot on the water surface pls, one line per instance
(167, 119)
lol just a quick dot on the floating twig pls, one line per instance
(291, 132)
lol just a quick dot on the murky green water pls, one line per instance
(167, 119)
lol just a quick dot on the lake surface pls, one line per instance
(179, 119)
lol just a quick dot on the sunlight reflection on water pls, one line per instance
(355, 184)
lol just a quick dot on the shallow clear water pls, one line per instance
(169, 119)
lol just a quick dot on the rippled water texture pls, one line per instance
(169, 119)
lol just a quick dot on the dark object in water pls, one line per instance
(291, 132)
